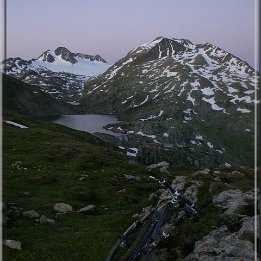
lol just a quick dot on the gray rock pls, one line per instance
(43, 219)
(50, 221)
(191, 193)
(247, 227)
(83, 177)
(235, 174)
(161, 165)
(17, 165)
(62, 207)
(201, 172)
(31, 214)
(232, 201)
(87, 209)
(130, 177)
(17, 245)
(220, 244)
(122, 190)
(179, 182)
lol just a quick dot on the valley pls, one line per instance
(189, 107)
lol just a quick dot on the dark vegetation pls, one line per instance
(22, 98)
(54, 158)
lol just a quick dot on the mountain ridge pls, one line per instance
(182, 95)
(60, 73)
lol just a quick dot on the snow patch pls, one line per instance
(207, 91)
(243, 110)
(16, 124)
(213, 104)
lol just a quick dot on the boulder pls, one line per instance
(202, 172)
(31, 214)
(50, 221)
(17, 245)
(62, 207)
(43, 219)
(191, 192)
(179, 182)
(232, 201)
(130, 177)
(161, 165)
(89, 208)
(236, 174)
(247, 227)
(220, 244)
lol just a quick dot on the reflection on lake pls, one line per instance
(88, 122)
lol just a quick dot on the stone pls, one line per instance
(31, 214)
(247, 227)
(43, 219)
(220, 244)
(50, 221)
(235, 174)
(83, 177)
(232, 201)
(17, 165)
(201, 172)
(179, 182)
(191, 193)
(17, 245)
(162, 165)
(89, 208)
(62, 207)
(129, 177)
(122, 191)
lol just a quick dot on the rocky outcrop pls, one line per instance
(233, 201)
(220, 244)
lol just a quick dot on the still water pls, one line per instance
(88, 122)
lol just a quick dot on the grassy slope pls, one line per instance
(22, 98)
(55, 158)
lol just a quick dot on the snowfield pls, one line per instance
(82, 67)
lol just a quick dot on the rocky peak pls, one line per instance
(47, 57)
(92, 58)
(65, 54)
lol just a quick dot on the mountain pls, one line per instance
(195, 102)
(60, 72)
(21, 98)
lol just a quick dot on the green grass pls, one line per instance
(55, 158)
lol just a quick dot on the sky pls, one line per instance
(112, 28)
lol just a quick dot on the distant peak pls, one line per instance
(46, 56)
(65, 54)
(61, 49)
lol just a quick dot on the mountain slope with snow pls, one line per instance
(197, 97)
(59, 72)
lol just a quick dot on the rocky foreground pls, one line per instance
(227, 221)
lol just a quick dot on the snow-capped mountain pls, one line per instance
(59, 72)
(195, 98)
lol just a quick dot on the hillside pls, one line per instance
(46, 164)
(193, 101)
(21, 98)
